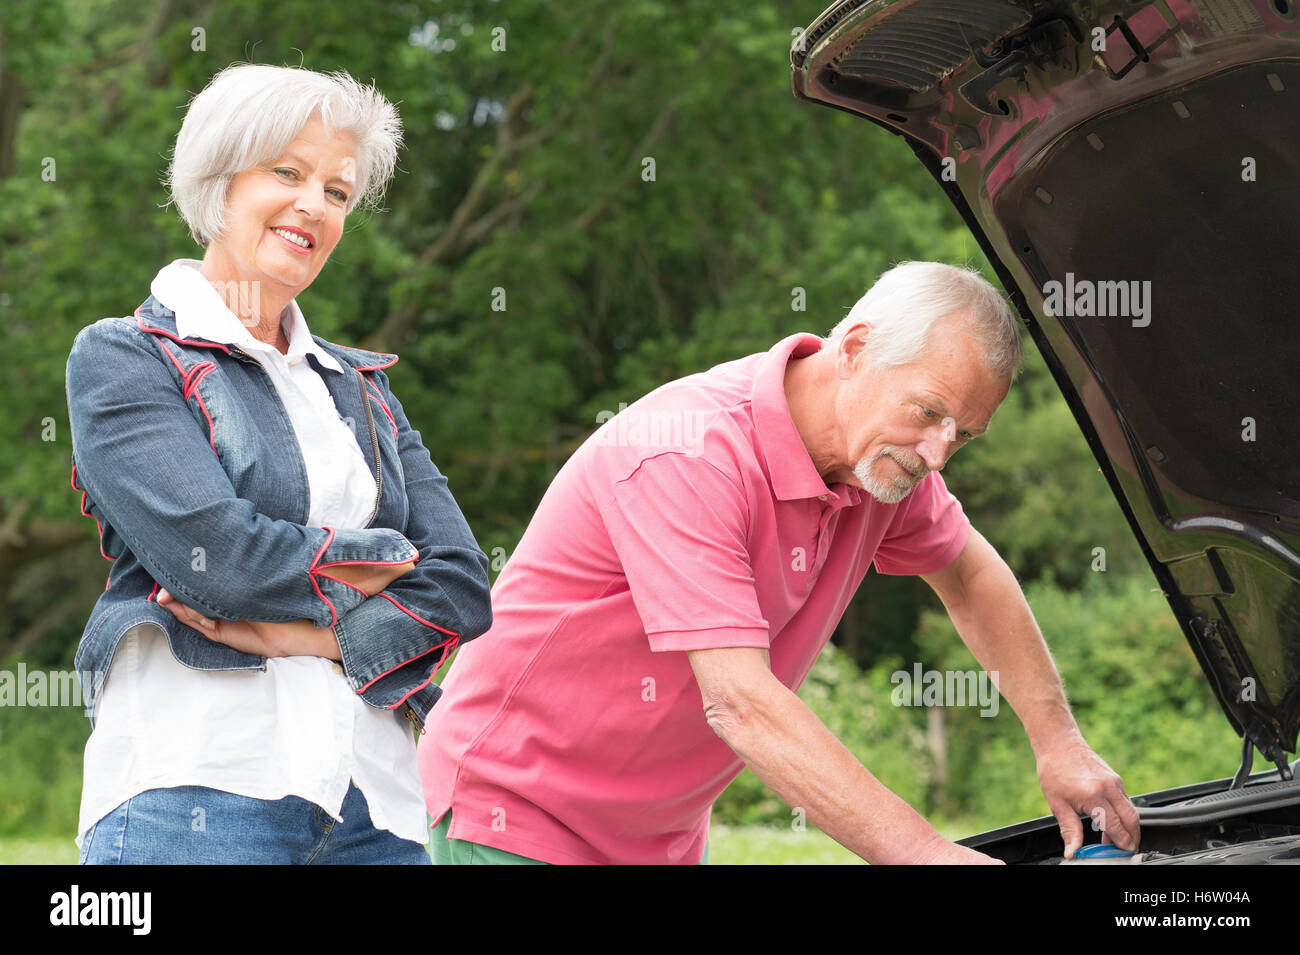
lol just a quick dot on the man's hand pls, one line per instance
(1077, 781)
(295, 638)
(989, 610)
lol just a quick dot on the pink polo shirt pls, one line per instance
(574, 730)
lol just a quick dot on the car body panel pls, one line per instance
(1138, 203)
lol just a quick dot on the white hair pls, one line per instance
(904, 304)
(249, 113)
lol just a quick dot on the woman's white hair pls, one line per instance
(904, 304)
(249, 113)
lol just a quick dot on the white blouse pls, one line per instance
(296, 729)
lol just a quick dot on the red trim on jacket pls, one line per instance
(191, 378)
(416, 690)
(387, 364)
(375, 563)
(311, 575)
(382, 403)
(416, 616)
(154, 329)
(446, 647)
(86, 513)
(196, 374)
(179, 370)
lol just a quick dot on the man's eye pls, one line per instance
(927, 412)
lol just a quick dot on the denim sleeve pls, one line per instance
(149, 473)
(388, 642)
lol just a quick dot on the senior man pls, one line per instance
(690, 561)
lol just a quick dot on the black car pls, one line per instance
(1130, 170)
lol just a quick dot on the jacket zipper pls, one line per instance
(374, 440)
(414, 720)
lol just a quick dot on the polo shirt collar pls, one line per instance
(793, 474)
(202, 313)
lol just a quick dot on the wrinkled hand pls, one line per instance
(1077, 781)
(260, 638)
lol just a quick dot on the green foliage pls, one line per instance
(40, 769)
(614, 281)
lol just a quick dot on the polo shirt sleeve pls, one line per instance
(679, 527)
(927, 533)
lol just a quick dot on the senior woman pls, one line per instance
(289, 567)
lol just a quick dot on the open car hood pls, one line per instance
(1132, 172)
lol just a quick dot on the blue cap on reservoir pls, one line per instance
(1100, 851)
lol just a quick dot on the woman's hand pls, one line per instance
(296, 638)
(370, 579)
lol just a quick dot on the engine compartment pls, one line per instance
(1207, 823)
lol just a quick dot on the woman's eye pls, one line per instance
(342, 196)
(286, 172)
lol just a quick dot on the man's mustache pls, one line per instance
(909, 462)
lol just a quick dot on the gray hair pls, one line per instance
(249, 113)
(904, 304)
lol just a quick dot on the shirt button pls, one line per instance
(338, 669)
(821, 497)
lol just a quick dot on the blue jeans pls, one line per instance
(193, 825)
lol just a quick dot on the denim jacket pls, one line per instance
(188, 462)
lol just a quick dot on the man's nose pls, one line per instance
(935, 449)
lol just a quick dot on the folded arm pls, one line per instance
(393, 641)
(297, 638)
(155, 487)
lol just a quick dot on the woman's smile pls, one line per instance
(300, 241)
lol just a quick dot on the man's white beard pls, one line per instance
(895, 489)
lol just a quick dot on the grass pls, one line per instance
(728, 845)
(37, 850)
(766, 845)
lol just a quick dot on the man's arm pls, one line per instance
(799, 759)
(988, 608)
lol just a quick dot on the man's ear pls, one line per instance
(852, 350)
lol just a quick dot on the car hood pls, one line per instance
(1131, 172)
